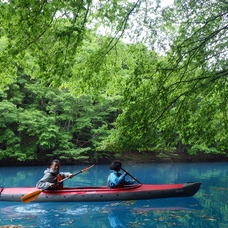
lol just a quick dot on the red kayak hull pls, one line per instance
(102, 193)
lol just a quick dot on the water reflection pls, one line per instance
(127, 213)
(110, 214)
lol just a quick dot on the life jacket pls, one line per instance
(59, 178)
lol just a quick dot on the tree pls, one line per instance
(38, 122)
(182, 101)
(167, 81)
(44, 37)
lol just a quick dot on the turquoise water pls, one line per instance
(208, 208)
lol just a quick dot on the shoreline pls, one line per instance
(165, 157)
(127, 158)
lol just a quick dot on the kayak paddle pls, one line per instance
(33, 195)
(131, 176)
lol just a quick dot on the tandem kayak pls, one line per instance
(102, 193)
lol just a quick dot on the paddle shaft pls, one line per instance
(83, 170)
(131, 176)
(68, 177)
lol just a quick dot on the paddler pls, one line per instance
(116, 179)
(52, 176)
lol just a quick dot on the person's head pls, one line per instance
(116, 165)
(55, 165)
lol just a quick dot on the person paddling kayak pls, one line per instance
(116, 179)
(52, 176)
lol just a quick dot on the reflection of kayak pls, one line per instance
(127, 212)
(101, 193)
(82, 208)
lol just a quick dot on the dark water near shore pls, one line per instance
(208, 208)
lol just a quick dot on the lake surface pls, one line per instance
(208, 208)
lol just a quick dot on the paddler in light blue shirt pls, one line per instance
(116, 179)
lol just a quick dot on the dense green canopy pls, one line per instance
(159, 74)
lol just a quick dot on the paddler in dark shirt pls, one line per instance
(52, 176)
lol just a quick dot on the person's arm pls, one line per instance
(47, 181)
(114, 180)
(121, 179)
(66, 174)
(129, 182)
(44, 185)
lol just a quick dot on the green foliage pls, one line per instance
(182, 97)
(168, 88)
(44, 37)
(40, 121)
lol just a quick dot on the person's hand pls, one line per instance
(52, 185)
(70, 175)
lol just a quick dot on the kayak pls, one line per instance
(103, 193)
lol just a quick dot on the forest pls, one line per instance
(87, 80)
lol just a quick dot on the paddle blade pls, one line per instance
(31, 196)
(87, 168)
